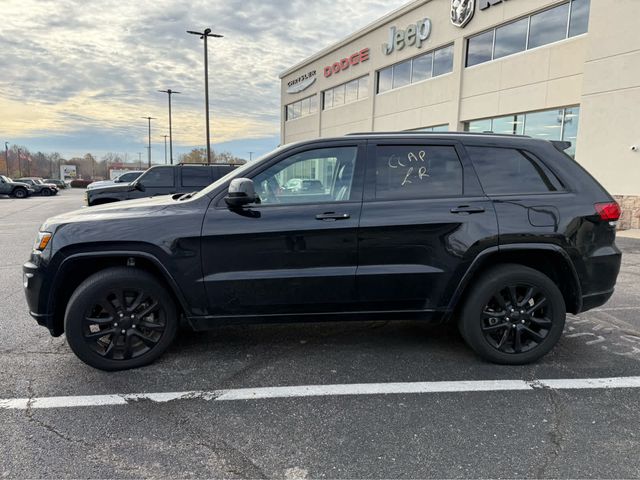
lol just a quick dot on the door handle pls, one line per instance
(467, 209)
(332, 216)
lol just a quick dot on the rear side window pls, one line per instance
(508, 171)
(158, 177)
(417, 171)
(221, 171)
(196, 176)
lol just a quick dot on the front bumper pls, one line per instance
(36, 290)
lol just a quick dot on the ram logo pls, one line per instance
(462, 12)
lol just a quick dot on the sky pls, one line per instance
(77, 76)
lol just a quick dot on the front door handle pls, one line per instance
(332, 216)
(467, 209)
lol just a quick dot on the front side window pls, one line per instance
(417, 171)
(315, 176)
(158, 177)
(507, 171)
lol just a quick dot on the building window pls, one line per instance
(301, 108)
(556, 124)
(346, 93)
(417, 69)
(562, 21)
(435, 128)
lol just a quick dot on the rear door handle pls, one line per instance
(467, 209)
(332, 216)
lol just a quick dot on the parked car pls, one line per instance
(14, 189)
(61, 184)
(297, 185)
(127, 177)
(160, 180)
(39, 187)
(502, 234)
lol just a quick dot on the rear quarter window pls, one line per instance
(196, 177)
(509, 171)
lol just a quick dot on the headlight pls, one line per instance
(42, 241)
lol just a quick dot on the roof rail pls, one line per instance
(207, 164)
(416, 132)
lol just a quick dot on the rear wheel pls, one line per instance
(46, 192)
(120, 318)
(513, 315)
(20, 192)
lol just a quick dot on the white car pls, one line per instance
(124, 178)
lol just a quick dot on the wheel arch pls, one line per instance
(549, 259)
(76, 268)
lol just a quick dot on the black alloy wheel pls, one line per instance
(513, 315)
(46, 192)
(126, 323)
(517, 318)
(120, 318)
(20, 193)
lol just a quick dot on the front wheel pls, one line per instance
(513, 315)
(20, 193)
(120, 318)
(46, 192)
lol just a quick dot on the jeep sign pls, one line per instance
(415, 34)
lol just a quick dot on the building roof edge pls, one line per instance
(359, 33)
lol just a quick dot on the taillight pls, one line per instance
(609, 212)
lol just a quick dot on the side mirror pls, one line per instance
(241, 192)
(138, 186)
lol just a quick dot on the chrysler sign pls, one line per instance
(301, 83)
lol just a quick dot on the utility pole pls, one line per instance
(165, 150)
(204, 35)
(169, 92)
(149, 147)
(250, 156)
(6, 156)
(140, 160)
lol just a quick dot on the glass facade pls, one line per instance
(423, 67)
(301, 108)
(346, 93)
(558, 23)
(556, 124)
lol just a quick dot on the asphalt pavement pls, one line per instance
(541, 432)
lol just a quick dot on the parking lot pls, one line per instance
(485, 428)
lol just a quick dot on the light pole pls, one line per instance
(165, 150)
(169, 92)
(6, 156)
(250, 156)
(204, 35)
(140, 160)
(19, 163)
(149, 147)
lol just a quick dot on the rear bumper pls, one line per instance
(594, 300)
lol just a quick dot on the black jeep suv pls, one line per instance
(160, 180)
(502, 234)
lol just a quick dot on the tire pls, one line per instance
(492, 329)
(46, 192)
(19, 193)
(95, 320)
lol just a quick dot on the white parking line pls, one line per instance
(321, 391)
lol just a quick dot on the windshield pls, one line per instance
(5, 179)
(238, 172)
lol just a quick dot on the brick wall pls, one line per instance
(630, 211)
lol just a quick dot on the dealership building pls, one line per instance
(550, 69)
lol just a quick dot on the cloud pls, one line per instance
(73, 65)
